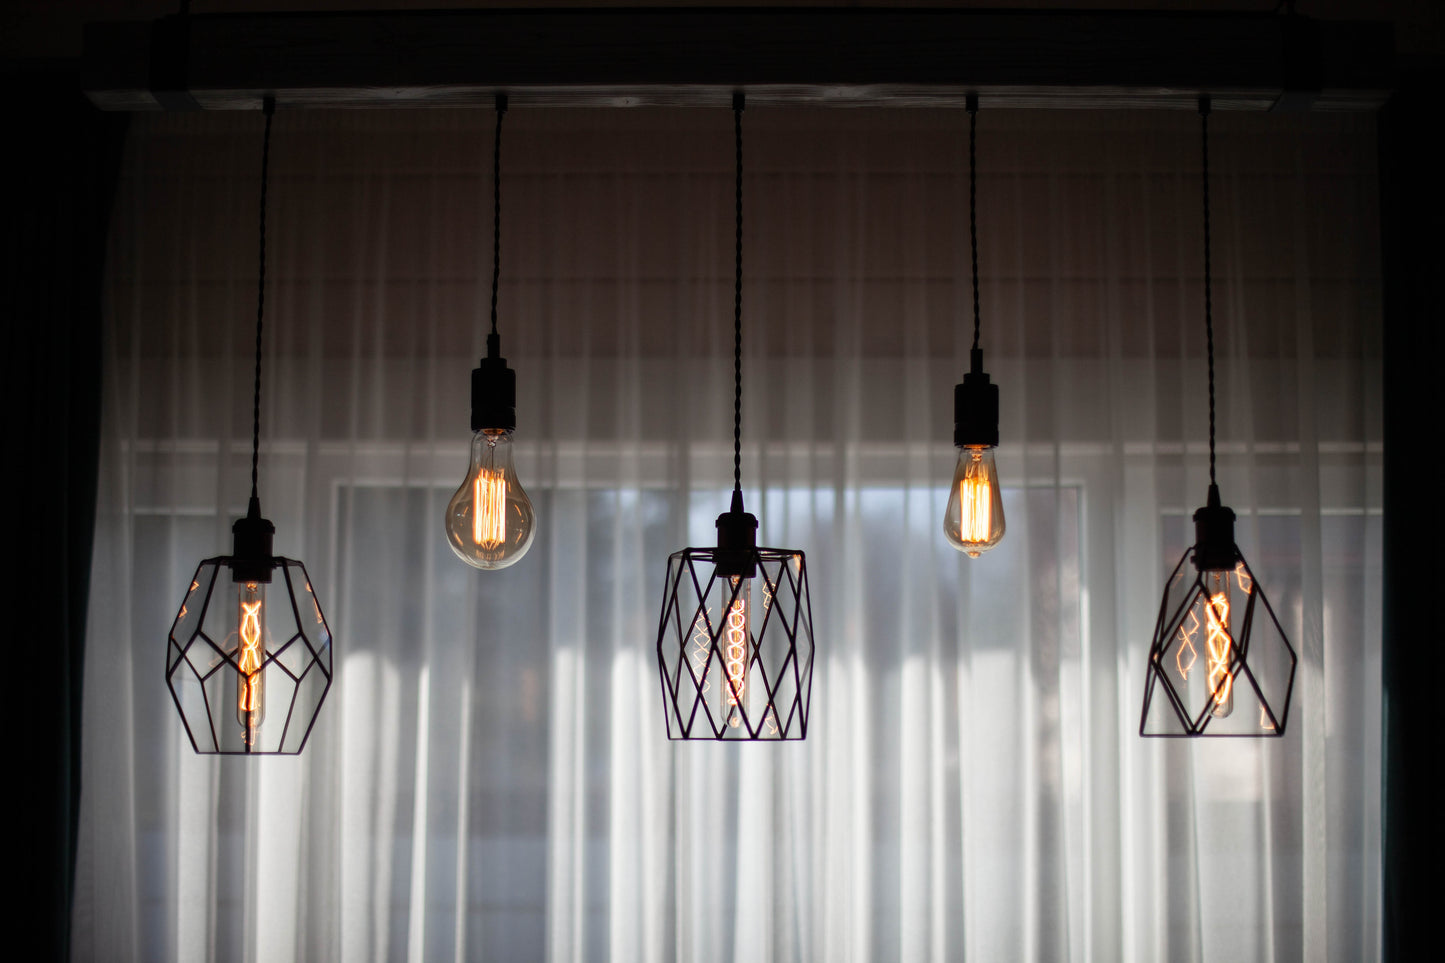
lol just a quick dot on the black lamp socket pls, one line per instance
(494, 391)
(1214, 546)
(975, 407)
(737, 541)
(252, 557)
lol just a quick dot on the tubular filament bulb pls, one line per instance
(1218, 644)
(251, 657)
(735, 651)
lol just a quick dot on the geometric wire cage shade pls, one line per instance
(1219, 665)
(249, 663)
(736, 659)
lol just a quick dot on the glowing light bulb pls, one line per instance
(250, 658)
(736, 644)
(489, 519)
(1210, 618)
(1218, 645)
(973, 520)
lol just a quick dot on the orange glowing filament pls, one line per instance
(1217, 644)
(252, 654)
(975, 499)
(735, 650)
(489, 502)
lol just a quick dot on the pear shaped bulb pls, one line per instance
(490, 522)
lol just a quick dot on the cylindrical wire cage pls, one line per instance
(249, 662)
(1219, 664)
(735, 654)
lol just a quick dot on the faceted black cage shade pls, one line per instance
(1219, 664)
(278, 658)
(736, 656)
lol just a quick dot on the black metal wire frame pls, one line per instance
(1167, 635)
(201, 668)
(781, 655)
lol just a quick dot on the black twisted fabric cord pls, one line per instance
(973, 205)
(738, 300)
(497, 206)
(269, 107)
(1208, 295)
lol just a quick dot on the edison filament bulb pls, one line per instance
(973, 520)
(736, 646)
(250, 656)
(1206, 640)
(489, 520)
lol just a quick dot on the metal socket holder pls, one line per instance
(494, 391)
(1214, 546)
(252, 557)
(975, 407)
(737, 541)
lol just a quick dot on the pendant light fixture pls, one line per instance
(489, 521)
(973, 519)
(248, 673)
(735, 640)
(1219, 664)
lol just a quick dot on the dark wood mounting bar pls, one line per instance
(847, 57)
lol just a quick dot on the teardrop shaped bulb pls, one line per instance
(973, 520)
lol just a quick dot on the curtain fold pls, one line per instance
(490, 777)
(64, 161)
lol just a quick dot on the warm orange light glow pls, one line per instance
(1218, 644)
(735, 650)
(184, 606)
(315, 605)
(975, 497)
(251, 655)
(1242, 576)
(1186, 644)
(489, 502)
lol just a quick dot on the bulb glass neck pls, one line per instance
(492, 445)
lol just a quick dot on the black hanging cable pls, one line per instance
(268, 106)
(1208, 295)
(497, 207)
(738, 298)
(973, 203)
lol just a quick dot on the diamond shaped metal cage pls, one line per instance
(285, 677)
(1219, 665)
(736, 660)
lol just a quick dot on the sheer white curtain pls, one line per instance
(490, 777)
